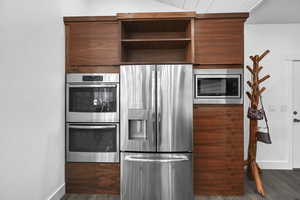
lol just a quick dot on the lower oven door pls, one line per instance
(157, 176)
(92, 142)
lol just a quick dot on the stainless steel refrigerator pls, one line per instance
(156, 132)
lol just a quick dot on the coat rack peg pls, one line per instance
(250, 69)
(261, 90)
(263, 55)
(260, 68)
(249, 96)
(263, 79)
(249, 84)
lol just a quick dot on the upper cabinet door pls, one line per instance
(219, 41)
(92, 43)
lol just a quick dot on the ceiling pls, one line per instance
(214, 6)
(276, 12)
(261, 11)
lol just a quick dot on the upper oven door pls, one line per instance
(92, 142)
(92, 102)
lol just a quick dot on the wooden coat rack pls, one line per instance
(253, 169)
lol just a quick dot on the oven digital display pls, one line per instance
(92, 78)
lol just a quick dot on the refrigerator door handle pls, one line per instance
(138, 158)
(153, 100)
(159, 128)
(158, 136)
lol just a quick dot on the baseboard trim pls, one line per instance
(281, 164)
(59, 193)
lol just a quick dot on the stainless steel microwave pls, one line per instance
(218, 86)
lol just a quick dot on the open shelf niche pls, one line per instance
(156, 41)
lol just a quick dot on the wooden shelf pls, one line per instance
(156, 40)
(146, 63)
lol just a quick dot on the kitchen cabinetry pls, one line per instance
(218, 150)
(219, 40)
(92, 44)
(93, 178)
(101, 44)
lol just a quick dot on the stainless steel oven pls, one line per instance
(92, 142)
(218, 86)
(92, 97)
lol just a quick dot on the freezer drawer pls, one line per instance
(148, 176)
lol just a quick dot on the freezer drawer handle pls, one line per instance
(162, 160)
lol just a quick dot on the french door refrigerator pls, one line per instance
(156, 132)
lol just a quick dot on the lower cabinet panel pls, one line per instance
(218, 150)
(93, 178)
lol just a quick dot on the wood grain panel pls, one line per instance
(93, 69)
(219, 41)
(156, 15)
(219, 66)
(93, 43)
(89, 19)
(222, 15)
(218, 150)
(93, 178)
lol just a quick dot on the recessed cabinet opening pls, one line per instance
(156, 41)
(156, 29)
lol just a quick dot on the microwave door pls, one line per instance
(174, 108)
(218, 86)
(138, 105)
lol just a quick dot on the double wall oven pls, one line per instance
(92, 114)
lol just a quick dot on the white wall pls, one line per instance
(283, 40)
(31, 99)
(32, 90)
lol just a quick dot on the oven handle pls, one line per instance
(92, 127)
(96, 86)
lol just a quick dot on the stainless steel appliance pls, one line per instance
(218, 86)
(156, 139)
(92, 142)
(92, 97)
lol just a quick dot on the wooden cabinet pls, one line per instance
(92, 43)
(219, 41)
(93, 178)
(218, 150)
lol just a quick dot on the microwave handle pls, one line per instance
(96, 86)
(92, 127)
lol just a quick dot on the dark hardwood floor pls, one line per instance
(279, 185)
